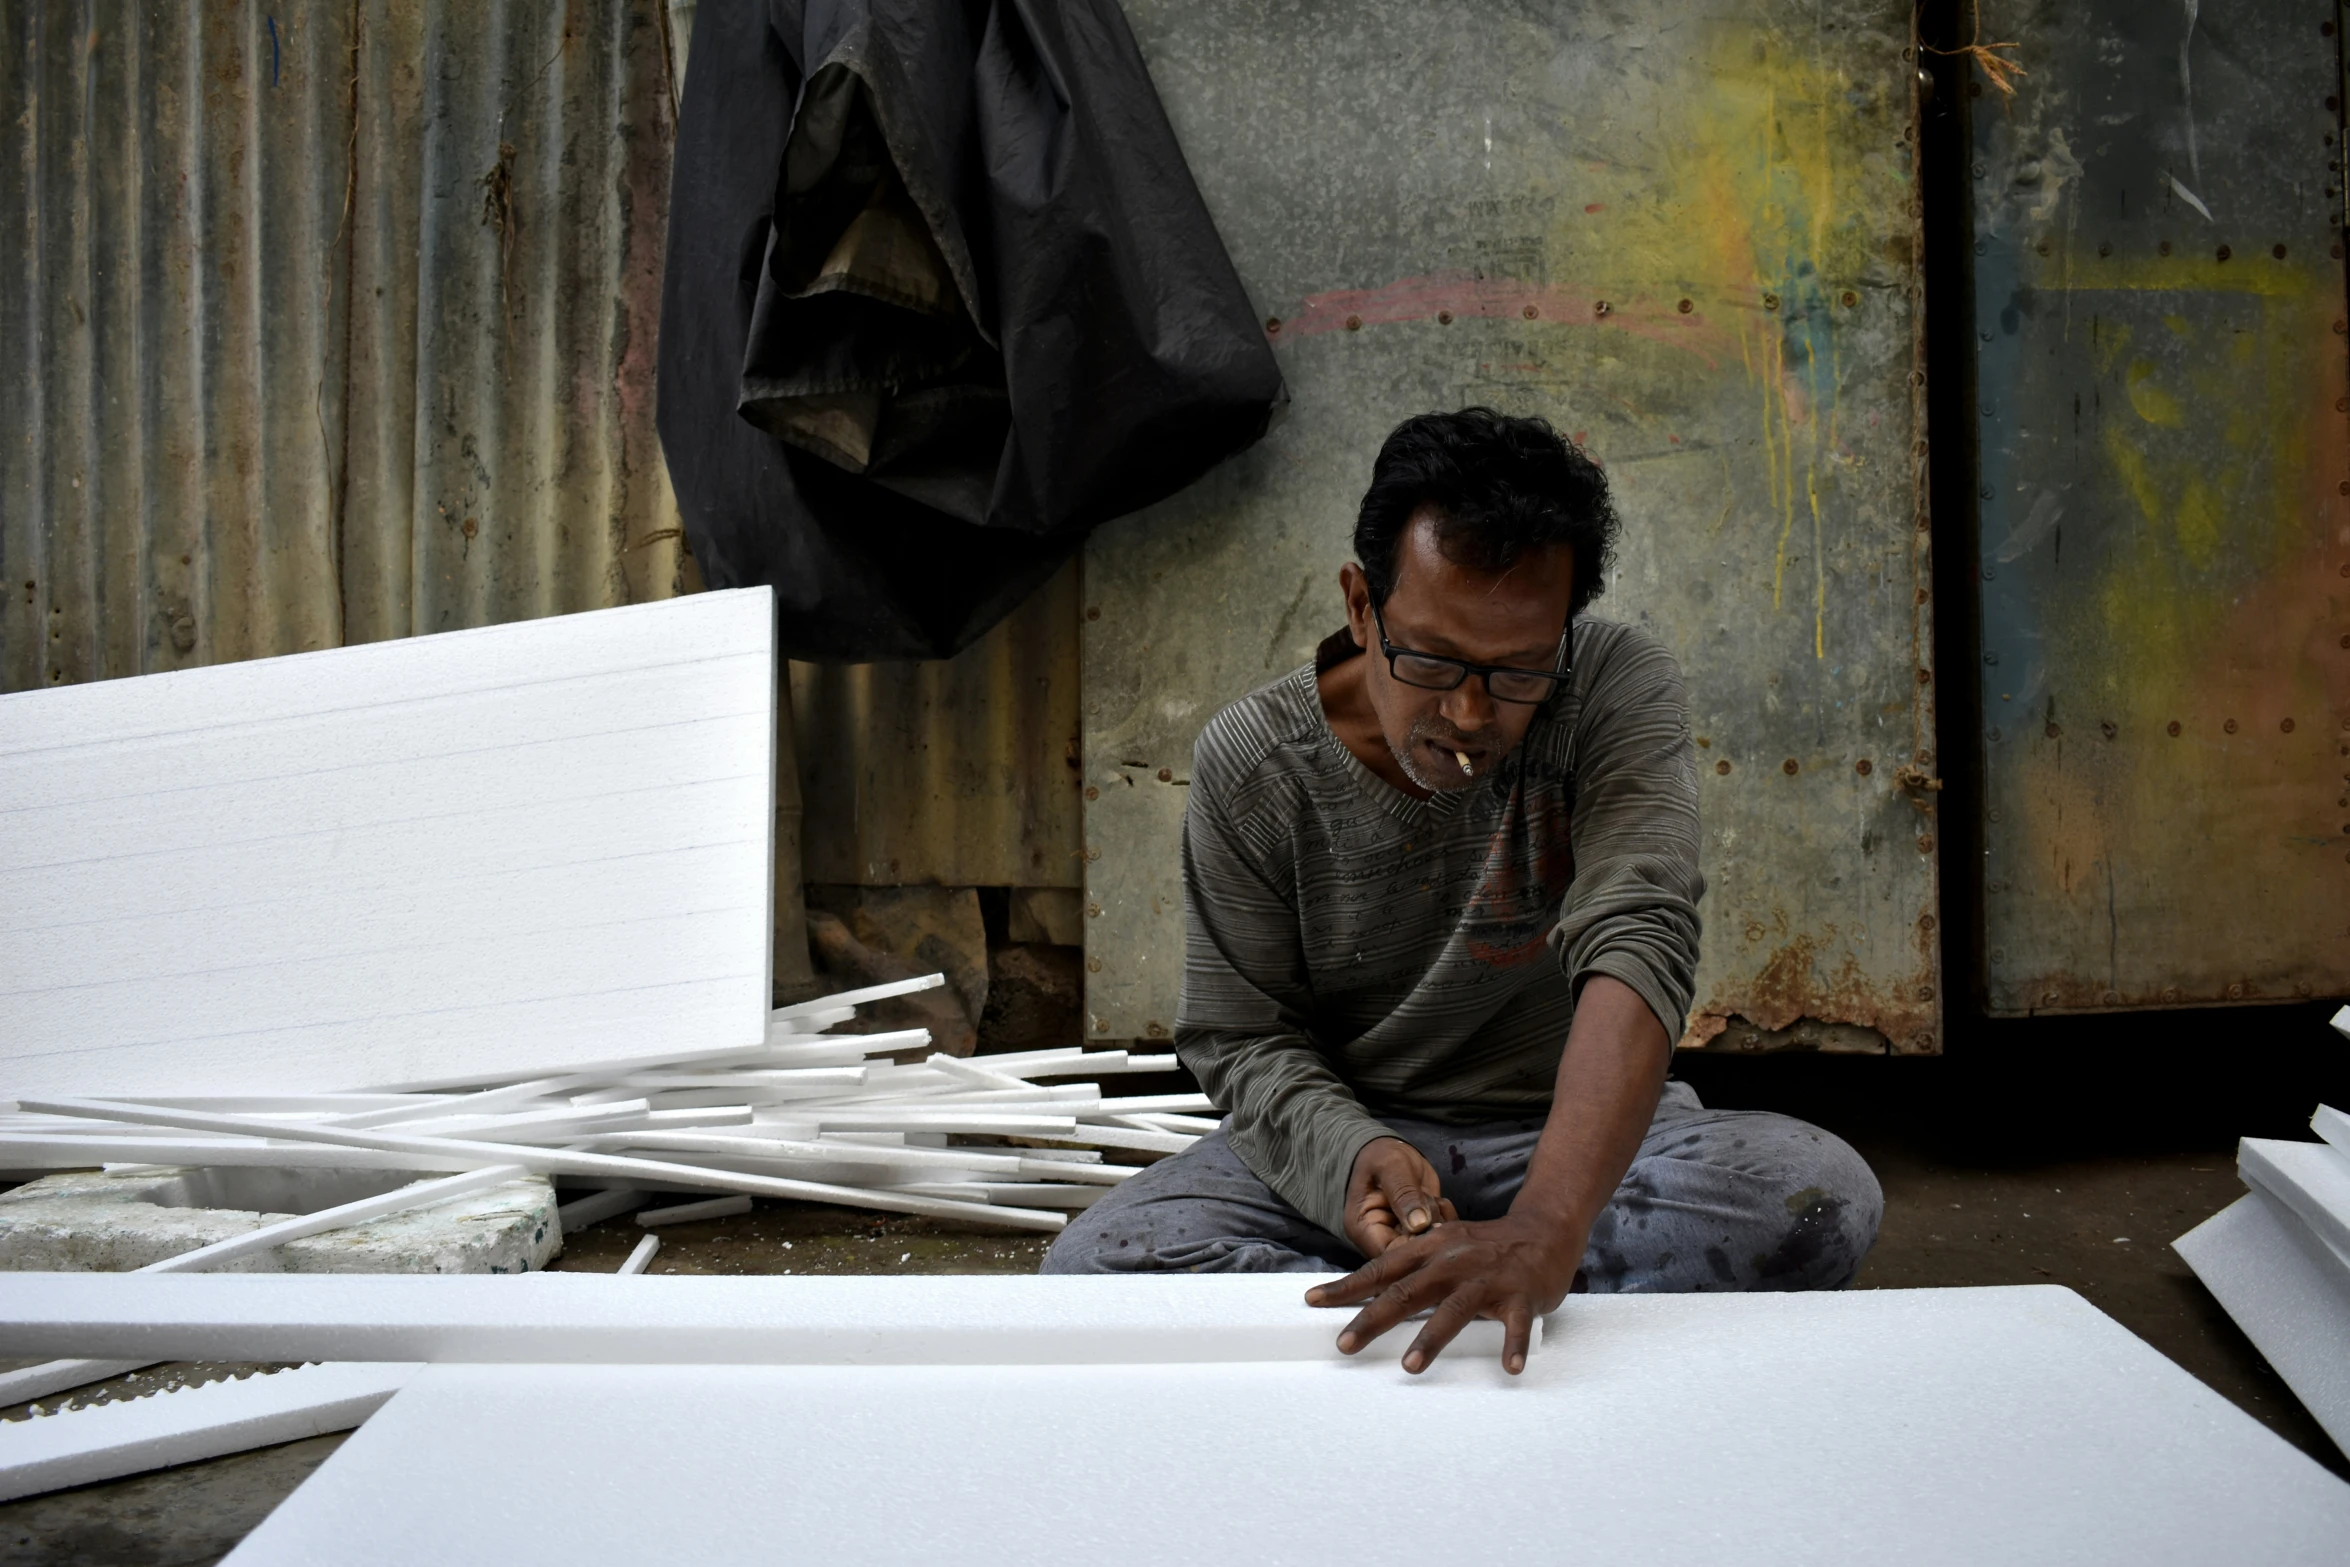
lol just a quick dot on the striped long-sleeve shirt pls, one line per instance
(1351, 952)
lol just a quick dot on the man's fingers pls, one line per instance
(1358, 1286)
(1457, 1312)
(1404, 1298)
(1517, 1333)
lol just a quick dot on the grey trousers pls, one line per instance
(1715, 1200)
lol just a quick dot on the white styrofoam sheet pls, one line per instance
(181, 1425)
(1958, 1426)
(505, 849)
(2290, 1293)
(683, 1318)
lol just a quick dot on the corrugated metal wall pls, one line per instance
(336, 323)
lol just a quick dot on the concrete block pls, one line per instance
(117, 1220)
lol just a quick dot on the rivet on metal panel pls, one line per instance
(2224, 253)
(2341, 327)
(1444, 318)
(1986, 492)
(1272, 323)
(2054, 731)
(2335, 250)
(1093, 965)
(1925, 677)
(2342, 405)
(1991, 574)
(1991, 657)
(1996, 736)
(1770, 301)
(1354, 323)
(2229, 726)
(1982, 247)
(2325, 29)
(1093, 911)
(1155, 1030)
(1092, 793)
(1530, 312)
(1599, 307)
(2108, 728)
(1788, 767)
(2235, 992)
(1166, 775)
(2113, 998)
(1722, 768)
(1923, 1043)
(2277, 251)
(2301, 988)
(2346, 568)
(1093, 852)
(2285, 726)
(1686, 306)
(1926, 922)
(2163, 249)
(1979, 171)
(2170, 992)
(2042, 247)
(1925, 992)
(1925, 843)
(1093, 612)
(1998, 955)
(1850, 299)
(2105, 248)
(2346, 641)
(1864, 767)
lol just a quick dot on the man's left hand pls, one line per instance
(1516, 1268)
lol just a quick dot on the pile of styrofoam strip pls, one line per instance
(2278, 1260)
(826, 1117)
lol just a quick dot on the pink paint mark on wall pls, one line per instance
(1462, 296)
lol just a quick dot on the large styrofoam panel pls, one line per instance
(2290, 1293)
(1961, 1426)
(2312, 1180)
(507, 848)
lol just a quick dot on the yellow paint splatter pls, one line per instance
(2154, 405)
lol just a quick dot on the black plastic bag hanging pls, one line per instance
(941, 296)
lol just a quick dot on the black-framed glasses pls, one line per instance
(1435, 672)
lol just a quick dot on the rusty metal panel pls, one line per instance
(962, 771)
(1684, 232)
(2164, 617)
(333, 322)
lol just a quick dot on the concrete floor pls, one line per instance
(2070, 1155)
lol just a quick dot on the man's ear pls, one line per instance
(1357, 589)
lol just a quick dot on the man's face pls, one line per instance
(1514, 618)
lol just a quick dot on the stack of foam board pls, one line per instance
(516, 882)
(2279, 1260)
(1182, 1419)
(828, 1117)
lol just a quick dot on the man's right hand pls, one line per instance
(1392, 1194)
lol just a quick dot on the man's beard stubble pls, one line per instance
(1407, 755)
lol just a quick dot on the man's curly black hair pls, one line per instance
(1497, 487)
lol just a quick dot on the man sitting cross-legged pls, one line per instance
(1440, 893)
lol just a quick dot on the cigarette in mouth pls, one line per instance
(1462, 757)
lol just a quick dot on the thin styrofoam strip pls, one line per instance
(857, 998)
(182, 1425)
(56, 1376)
(2288, 1293)
(1125, 1137)
(641, 1256)
(556, 1162)
(691, 1212)
(1005, 1124)
(2311, 1179)
(421, 1105)
(1137, 1104)
(942, 1319)
(783, 1150)
(418, 1195)
(81, 1152)
(594, 1209)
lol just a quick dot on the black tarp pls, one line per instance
(941, 296)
